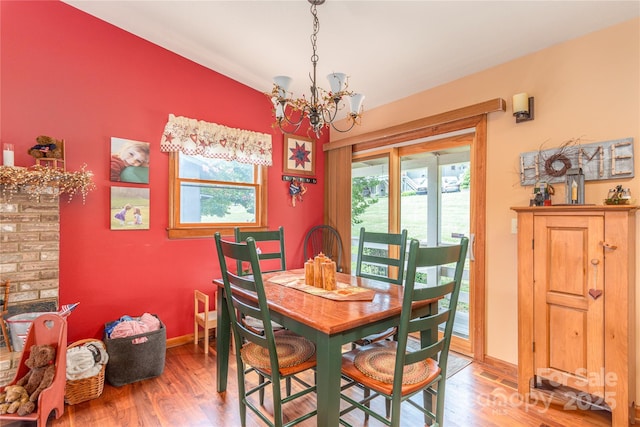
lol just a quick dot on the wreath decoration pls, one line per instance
(558, 157)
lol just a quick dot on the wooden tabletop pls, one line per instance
(326, 315)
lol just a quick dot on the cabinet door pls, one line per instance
(568, 321)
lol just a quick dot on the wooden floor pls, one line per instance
(185, 395)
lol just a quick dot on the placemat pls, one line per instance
(345, 291)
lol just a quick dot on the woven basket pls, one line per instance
(77, 391)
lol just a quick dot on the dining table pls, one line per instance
(328, 322)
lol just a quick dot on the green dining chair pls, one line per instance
(270, 244)
(376, 261)
(392, 369)
(271, 254)
(272, 355)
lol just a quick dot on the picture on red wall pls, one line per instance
(299, 156)
(129, 208)
(129, 161)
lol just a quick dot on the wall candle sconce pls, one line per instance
(523, 107)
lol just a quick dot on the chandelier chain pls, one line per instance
(314, 35)
(314, 56)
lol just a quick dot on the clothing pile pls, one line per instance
(86, 360)
(128, 326)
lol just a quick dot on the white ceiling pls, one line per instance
(390, 49)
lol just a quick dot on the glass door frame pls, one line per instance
(475, 346)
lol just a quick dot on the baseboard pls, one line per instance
(178, 341)
(508, 370)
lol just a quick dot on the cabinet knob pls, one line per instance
(595, 261)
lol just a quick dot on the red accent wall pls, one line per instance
(71, 76)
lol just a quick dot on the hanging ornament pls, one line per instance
(296, 191)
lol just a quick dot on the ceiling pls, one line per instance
(390, 49)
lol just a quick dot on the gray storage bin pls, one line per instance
(129, 362)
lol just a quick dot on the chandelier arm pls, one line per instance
(289, 120)
(329, 114)
(286, 127)
(353, 123)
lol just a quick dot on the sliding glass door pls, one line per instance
(423, 187)
(435, 209)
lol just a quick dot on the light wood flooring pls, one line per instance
(185, 395)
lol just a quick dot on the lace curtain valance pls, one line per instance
(192, 137)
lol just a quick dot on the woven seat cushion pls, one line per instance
(379, 363)
(292, 350)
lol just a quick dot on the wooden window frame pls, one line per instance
(181, 231)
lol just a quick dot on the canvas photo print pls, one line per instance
(129, 161)
(129, 208)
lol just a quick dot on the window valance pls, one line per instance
(197, 137)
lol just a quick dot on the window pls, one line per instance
(210, 194)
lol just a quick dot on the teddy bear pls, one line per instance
(46, 147)
(12, 398)
(41, 362)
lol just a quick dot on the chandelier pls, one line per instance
(322, 108)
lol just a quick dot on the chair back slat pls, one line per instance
(374, 256)
(429, 257)
(271, 247)
(424, 353)
(433, 292)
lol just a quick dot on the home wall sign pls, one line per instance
(598, 161)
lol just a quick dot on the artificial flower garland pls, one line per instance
(38, 180)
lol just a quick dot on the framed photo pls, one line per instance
(129, 208)
(129, 161)
(299, 156)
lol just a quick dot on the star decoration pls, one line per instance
(300, 155)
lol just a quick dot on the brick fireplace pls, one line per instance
(30, 251)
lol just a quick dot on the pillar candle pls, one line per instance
(329, 275)
(308, 273)
(7, 155)
(317, 269)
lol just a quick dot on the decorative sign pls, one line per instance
(598, 161)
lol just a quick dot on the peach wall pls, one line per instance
(588, 88)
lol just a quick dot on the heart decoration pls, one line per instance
(595, 293)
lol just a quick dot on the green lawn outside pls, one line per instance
(413, 214)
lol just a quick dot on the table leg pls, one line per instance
(329, 358)
(223, 332)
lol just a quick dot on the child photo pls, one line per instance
(129, 208)
(129, 161)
